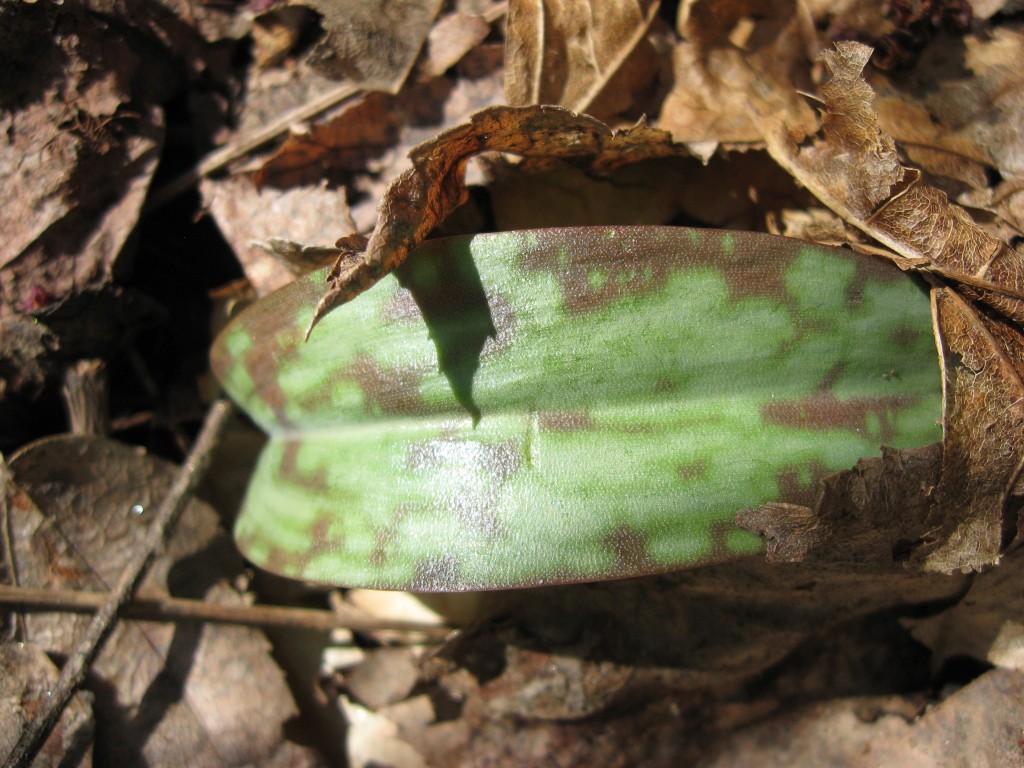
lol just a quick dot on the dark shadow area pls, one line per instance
(446, 286)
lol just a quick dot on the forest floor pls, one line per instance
(166, 163)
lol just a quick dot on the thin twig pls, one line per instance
(74, 670)
(17, 628)
(245, 144)
(165, 608)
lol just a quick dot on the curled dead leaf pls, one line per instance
(422, 197)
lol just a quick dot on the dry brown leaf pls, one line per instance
(565, 52)
(957, 116)
(451, 38)
(815, 225)
(852, 526)
(372, 43)
(26, 677)
(77, 154)
(167, 694)
(317, 213)
(247, 216)
(337, 147)
(854, 169)
(425, 195)
(963, 99)
(975, 518)
(708, 102)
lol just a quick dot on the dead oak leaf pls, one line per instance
(853, 168)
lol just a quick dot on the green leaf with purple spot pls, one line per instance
(564, 405)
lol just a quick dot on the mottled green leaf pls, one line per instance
(561, 405)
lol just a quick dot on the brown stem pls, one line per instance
(165, 608)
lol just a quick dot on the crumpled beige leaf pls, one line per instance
(248, 216)
(974, 518)
(967, 103)
(707, 105)
(854, 169)
(451, 38)
(372, 43)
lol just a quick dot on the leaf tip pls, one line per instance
(323, 306)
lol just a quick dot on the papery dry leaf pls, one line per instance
(317, 214)
(708, 104)
(451, 38)
(27, 676)
(340, 146)
(965, 99)
(852, 526)
(425, 195)
(372, 43)
(170, 695)
(247, 216)
(565, 52)
(299, 258)
(77, 153)
(855, 170)
(983, 448)
(815, 225)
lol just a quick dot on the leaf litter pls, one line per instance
(680, 665)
